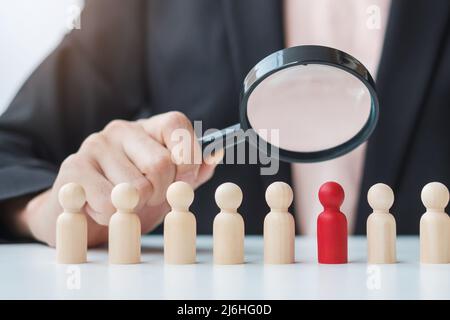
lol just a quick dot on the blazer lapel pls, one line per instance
(255, 30)
(411, 49)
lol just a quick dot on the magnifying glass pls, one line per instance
(321, 101)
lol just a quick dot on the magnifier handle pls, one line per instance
(222, 139)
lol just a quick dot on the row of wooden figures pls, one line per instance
(228, 227)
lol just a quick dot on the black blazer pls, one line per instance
(141, 58)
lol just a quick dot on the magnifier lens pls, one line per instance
(315, 107)
(312, 103)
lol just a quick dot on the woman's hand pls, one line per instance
(141, 153)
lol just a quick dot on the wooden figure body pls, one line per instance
(332, 231)
(180, 227)
(228, 227)
(435, 225)
(381, 226)
(124, 226)
(279, 225)
(71, 226)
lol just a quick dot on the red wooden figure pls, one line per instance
(332, 225)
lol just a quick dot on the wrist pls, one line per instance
(29, 211)
(12, 218)
(19, 213)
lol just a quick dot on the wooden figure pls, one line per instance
(381, 227)
(180, 228)
(228, 226)
(332, 225)
(435, 225)
(279, 225)
(124, 226)
(71, 226)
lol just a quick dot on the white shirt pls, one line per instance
(358, 28)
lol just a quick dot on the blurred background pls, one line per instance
(29, 30)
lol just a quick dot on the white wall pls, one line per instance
(29, 30)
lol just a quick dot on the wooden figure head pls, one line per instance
(180, 196)
(435, 196)
(380, 197)
(228, 196)
(72, 197)
(279, 196)
(124, 197)
(331, 195)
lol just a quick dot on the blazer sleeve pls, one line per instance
(83, 84)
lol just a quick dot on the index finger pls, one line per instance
(174, 130)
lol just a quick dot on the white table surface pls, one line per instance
(29, 271)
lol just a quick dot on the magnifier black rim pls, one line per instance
(304, 55)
